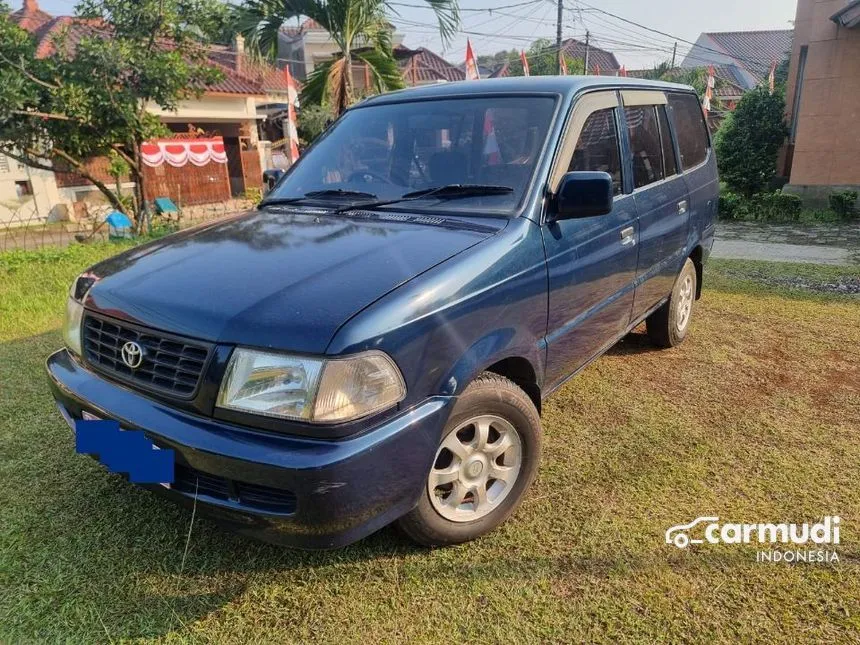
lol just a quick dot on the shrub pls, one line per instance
(843, 203)
(778, 206)
(731, 206)
(748, 143)
(254, 195)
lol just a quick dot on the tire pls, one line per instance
(668, 326)
(496, 405)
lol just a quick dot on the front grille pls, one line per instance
(276, 500)
(171, 364)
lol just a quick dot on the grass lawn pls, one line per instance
(755, 418)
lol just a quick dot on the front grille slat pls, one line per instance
(277, 500)
(171, 364)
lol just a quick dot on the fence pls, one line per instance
(22, 226)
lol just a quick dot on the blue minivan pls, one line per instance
(373, 342)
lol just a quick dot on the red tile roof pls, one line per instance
(426, 66)
(596, 56)
(247, 78)
(30, 17)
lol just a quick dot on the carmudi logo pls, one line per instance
(710, 530)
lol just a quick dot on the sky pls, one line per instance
(513, 24)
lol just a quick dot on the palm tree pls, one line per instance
(359, 28)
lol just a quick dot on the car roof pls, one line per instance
(565, 85)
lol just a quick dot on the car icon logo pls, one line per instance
(132, 354)
(680, 535)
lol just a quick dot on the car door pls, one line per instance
(591, 261)
(661, 198)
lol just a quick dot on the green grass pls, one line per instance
(755, 418)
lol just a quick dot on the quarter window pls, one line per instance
(670, 166)
(690, 129)
(645, 145)
(597, 147)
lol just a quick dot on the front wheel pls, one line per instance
(667, 327)
(486, 461)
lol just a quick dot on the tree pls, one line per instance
(748, 142)
(90, 98)
(542, 57)
(312, 122)
(697, 77)
(360, 29)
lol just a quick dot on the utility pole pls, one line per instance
(558, 53)
(587, 47)
(674, 52)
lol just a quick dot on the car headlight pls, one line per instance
(75, 311)
(310, 389)
(72, 326)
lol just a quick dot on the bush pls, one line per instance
(844, 203)
(254, 195)
(748, 142)
(765, 207)
(731, 206)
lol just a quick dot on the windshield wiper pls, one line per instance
(316, 194)
(448, 191)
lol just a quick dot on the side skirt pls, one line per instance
(604, 349)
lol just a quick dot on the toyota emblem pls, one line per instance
(132, 354)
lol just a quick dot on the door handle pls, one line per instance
(682, 207)
(627, 236)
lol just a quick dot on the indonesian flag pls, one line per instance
(292, 133)
(491, 145)
(471, 66)
(622, 71)
(597, 69)
(709, 91)
(525, 63)
(771, 78)
(562, 63)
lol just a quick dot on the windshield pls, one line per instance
(387, 151)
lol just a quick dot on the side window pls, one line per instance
(690, 129)
(645, 146)
(597, 147)
(669, 164)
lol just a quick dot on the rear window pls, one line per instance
(690, 129)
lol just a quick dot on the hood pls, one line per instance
(283, 280)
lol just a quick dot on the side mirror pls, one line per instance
(271, 177)
(584, 194)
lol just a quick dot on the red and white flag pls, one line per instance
(771, 78)
(597, 70)
(622, 71)
(472, 73)
(525, 63)
(709, 91)
(292, 133)
(562, 64)
(491, 144)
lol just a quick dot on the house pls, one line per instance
(226, 109)
(746, 57)
(306, 45)
(823, 99)
(598, 58)
(423, 67)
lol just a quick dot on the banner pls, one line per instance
(179, 152)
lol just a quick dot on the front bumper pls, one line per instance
(343, 489)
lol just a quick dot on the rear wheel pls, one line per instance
(667, 327)
(487, 459)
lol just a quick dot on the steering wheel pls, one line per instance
(367, 176)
